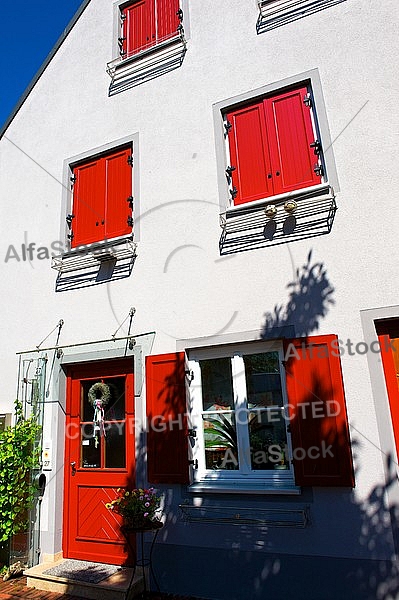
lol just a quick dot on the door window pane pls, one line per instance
(115, 453)
(91, 447)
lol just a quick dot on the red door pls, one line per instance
(99, 458)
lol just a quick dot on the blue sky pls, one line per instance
(28, 31)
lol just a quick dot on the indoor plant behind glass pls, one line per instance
(139, 508)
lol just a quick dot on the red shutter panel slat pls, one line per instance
(167, 19)
(167, 439)
(249, 154)
(317, 410)
(88, 203)
(290, 130)
(118, 188)
(391, 381)
(139, 26)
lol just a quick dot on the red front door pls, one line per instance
(99, 458)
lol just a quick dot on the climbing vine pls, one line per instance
(18, 455)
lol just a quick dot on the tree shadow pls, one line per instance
(310, 297)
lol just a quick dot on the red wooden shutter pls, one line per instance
(249, 154)
(391, 381)
(139, 26)
(290, 135)
(317, 409)
(167, 440)
(88, 203)
(118, 188)
(167, 19)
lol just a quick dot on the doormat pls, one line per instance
(82, 570)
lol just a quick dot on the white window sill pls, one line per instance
(246, 487)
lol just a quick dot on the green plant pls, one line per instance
(18, 455)
(137, 507)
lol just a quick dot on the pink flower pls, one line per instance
(146, 514)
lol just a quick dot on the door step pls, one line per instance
(113, 587)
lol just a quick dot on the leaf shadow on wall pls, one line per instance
(310, 297)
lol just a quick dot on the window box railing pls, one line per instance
(274, 13)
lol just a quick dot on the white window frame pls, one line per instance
(244, 480)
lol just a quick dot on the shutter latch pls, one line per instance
(130, 201)
(192, 433)
(130, 160)
(194, 463)
(73, 178)
(316, 145)
(227, 126)
(230, 170)
(130, 221)
(307, 100)
(318, 169)
(233, 192)
(68, 219)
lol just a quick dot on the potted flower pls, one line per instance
(139, 508)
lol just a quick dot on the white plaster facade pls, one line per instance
(180, 286)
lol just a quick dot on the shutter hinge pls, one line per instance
(227, 126)
(130, 221)
(192, 433)
(316, 145)
(130, 201)
(230, 170)
(70, 236)
(69, 220)
(318, 169)
(120, 42)
(130, 160)
(233, 192)
(73, 178)
(123, 16)
(180, 14)
(307, 100)
(194, 463)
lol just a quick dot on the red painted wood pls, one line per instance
(167, 19)
(90, 530)
(249, 153)
(100, 195)
(391, 380)
(118, 187)
(167, 441)
(88, 203)
(290, 135)
(139, 26)
(317, 411)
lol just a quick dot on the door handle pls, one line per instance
(73, 467)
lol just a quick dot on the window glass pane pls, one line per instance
(262, 373)
(115, 407)
(217, 384)
(220, 439)
(115, 456)
(268, 440)
(91, 447)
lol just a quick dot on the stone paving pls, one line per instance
(16, 588)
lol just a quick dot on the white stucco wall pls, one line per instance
(180, 286)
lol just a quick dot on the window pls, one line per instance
(146, 23)
(5, 421)
(263, 416)
(102, 199)
(273, 146)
